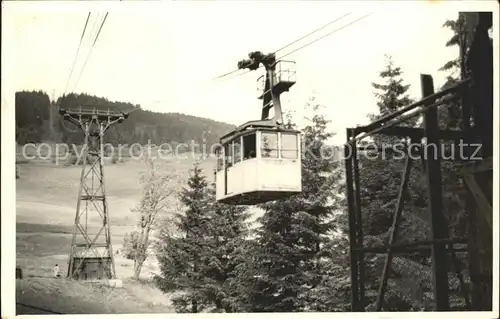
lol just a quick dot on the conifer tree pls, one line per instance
(284, 262)
(321, 179)
(180, 255)
(450, 118)
(380, 173)
(332, 293)
(227, 230)
(201, 259)
(380, 179)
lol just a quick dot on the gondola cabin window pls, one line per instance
(237, 150)
(228, 150)
(257, 165)
(249, 146)
(219, 153)
(269, 147)
(289, 146)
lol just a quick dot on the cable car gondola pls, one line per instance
(260, 161)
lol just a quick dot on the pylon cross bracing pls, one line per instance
(92, 232)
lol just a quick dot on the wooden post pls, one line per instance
(359, 228)
(438, 221)
(353, 244)
(480, 67)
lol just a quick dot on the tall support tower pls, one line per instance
(91, 253)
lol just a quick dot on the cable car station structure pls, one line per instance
(475, 93)
(260, 161)
(245, 179)
(91, 254)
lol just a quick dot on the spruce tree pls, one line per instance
(450, 116)
(380, 173)
(321, 178)
(380, 179)
(180, 255)
(285, 255)
(227, 230)
(332, 293)
(201, 259)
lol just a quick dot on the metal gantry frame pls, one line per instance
(471, 91)
(92, 193)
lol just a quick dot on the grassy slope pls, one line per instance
(45, 295)
(46, 200)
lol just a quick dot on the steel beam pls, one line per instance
(412, 132)
(377, 126)
(359, 227)
(438, 222)
(352, 225)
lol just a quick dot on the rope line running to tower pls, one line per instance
(293, 42)
(91, 48)
(89, 31)
(61, 121)
(97, 112)
(77, 52)
(326, 35)
(305, 45)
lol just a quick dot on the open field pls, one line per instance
(45, 208)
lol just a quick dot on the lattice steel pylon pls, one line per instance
(92, 243)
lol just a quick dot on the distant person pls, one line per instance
(19, 273)
(56, 271)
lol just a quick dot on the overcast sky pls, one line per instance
(165, 56)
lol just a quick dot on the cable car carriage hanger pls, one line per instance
(260, 160)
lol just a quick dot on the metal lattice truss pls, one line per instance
(92, 241)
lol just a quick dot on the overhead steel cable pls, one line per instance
(309, 43)
(77, 51)
(74, 63)
(312, 32)
(91, 31)
(91, 48)
(326, 35)
(293, 42)
(81, 72)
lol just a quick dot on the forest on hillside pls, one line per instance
(37, 120)
(297, 259)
